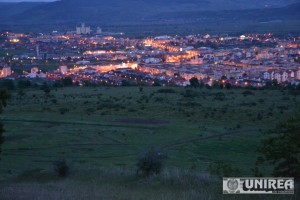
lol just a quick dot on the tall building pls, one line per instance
(37, 51)
(63, 69)
(99, 30)
(83, 30)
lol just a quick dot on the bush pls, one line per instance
(61, 168)
(223, 169)
(8, 84)
(1, 135)
(151, 163)
(24, 84)
(246, 93)
(63, 110)
(194, 82)
(220, 96)
(67, 81)
(190, 94)
(228, 86)
(166, 91)
(46, 89)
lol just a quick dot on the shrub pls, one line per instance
(1, 134)
(220, 96)
(63, 110)
(54, 101)
(166, 91)
(24, 84)
(223, 169)
(228, 86)
(67, 81)
(194, 82)
(151, 163)
(246, 93)
(61, 168)
(141, 89)
(190, 94)
(7, 84)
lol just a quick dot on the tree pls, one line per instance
(223, 77)
(282, 149)
(156, 83)
(8, 84)
(141, 89)
(67, 81)
(46, 89)
(194, 82)
(228, 86)
(24, 84)
(125, 83)
(61, 168)
(151, 163)
(4, 96)
(1, 135)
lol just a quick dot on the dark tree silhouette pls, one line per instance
(228, 86)
(46, 89)
(67, 81)
(283, 149)
(4, 96)
(194, 82)
(151, 163)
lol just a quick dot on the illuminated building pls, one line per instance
(63, 69)
(83, 30)
(6, 71)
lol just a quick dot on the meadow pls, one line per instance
(101, 131)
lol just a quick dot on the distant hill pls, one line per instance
(8, 10)
(133, 12)
(130, 11)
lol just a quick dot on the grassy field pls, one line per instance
(101, 131)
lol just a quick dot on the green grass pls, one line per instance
(107, 128)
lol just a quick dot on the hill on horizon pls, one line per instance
(146, 12)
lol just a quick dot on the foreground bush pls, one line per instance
(151, 163)
(61, 168)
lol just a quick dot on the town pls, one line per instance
(97, 57)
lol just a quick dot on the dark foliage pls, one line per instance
(22, 84)
(67, 81)
(61, 168)
(4, 96)
(190, 93)
(166, 91)
(223, 169)
(282, 149)
(151, 163)
(247, 93)
(46, 89)
(7, 84)
(228, 86)
(1, 134)
(194, 82)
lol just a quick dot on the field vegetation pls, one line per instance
(92, 142)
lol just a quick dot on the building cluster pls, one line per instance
(249, 59)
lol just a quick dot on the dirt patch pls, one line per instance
(142, 121)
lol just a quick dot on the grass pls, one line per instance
(105, 130)
(122, 184)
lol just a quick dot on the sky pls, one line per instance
(26, 0)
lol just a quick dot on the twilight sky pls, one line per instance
(25, 0)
